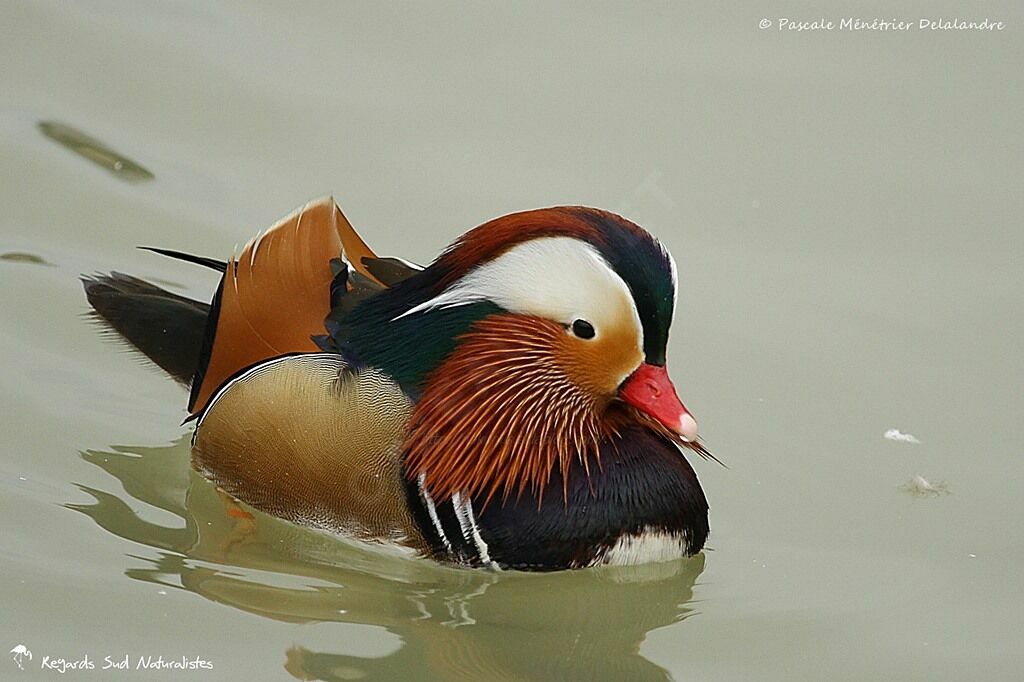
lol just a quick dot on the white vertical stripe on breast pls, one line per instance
(432, 512)
(470, 531)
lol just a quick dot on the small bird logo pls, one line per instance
(19, 654)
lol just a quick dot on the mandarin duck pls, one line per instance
(507, 406)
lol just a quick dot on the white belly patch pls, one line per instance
(650, 546)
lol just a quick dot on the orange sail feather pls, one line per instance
(276, 294)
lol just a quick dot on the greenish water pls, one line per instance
(845, 210)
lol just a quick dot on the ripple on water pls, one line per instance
(453, 623)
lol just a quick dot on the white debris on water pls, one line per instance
(919, 486)
(897, 435)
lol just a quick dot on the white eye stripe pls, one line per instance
(558, 278)
(675, 278)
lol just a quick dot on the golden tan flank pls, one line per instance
(304, 439)
(276, 293)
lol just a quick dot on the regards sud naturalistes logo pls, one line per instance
(23, 657)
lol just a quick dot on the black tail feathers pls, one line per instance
(212, 263)
(167, 328)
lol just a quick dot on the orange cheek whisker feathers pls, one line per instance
(499, 414)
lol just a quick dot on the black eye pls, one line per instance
(583, 329)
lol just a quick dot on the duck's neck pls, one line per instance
(407, 347)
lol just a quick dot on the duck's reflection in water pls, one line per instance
(455, 624)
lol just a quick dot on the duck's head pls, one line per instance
(553, 326)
